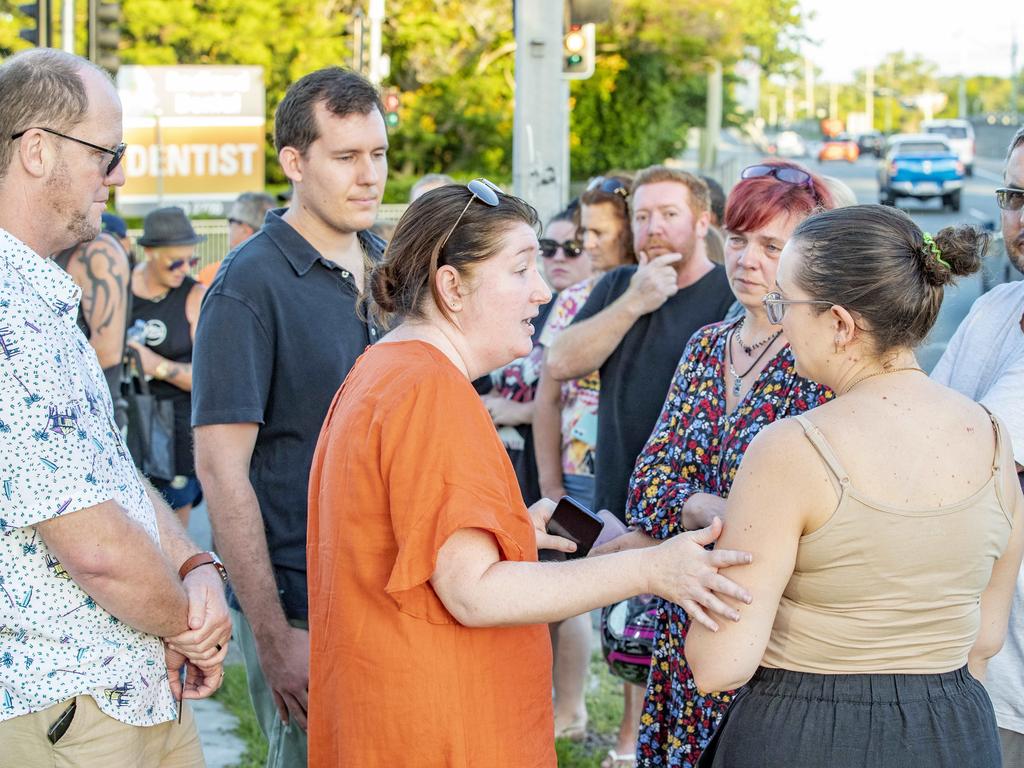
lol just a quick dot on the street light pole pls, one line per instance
(713, 117)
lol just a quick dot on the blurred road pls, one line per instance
(978, 205)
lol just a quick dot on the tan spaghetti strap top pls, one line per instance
(879, 588)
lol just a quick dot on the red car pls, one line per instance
(840, 147)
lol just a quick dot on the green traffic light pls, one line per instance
(575, 59)
(391, 119)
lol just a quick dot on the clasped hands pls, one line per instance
(202, 647)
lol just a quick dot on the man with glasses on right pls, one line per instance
(985, 361)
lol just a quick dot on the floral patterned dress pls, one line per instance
(696, 447)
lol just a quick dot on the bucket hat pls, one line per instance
(168, 226)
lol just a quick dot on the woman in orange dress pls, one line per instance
(428, 608)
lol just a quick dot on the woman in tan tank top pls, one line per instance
(885, 525)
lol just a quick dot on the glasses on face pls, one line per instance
(116, 153)
(1010, 198)
(782, 173)
(482, 190)
(775, 305)
(571, 248)
(177, 264)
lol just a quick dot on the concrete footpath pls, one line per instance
(221, 747)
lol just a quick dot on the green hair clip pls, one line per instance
(929, 242)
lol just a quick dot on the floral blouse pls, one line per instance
(696, 445)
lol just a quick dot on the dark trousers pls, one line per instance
(786, 719)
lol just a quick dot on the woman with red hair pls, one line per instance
(734, 378)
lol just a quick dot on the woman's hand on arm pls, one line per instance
(767, 508)
(507, 413)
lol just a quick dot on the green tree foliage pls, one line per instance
(288, 38)
(650, 84)
(453, 64)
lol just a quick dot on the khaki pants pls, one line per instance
(96, 740)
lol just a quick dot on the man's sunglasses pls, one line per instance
(1010, 198)
(571, 248)
(179, 263)
(782, 173)
(480, 189)
(116, 153)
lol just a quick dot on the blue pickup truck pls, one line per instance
(922, 166)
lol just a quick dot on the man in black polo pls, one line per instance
(279, 331)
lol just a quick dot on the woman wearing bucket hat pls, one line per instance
(165, 310)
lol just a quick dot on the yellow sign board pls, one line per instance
(195, 137)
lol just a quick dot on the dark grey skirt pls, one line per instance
(784, 719)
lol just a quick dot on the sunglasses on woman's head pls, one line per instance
(610, 186)
(480, 189)
(782, 173)
(571, 248)
(179, 263)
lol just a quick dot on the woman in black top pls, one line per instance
(165, 305)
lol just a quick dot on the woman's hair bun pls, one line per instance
(960, 246)
(382, 288)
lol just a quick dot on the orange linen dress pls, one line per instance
(407, 456)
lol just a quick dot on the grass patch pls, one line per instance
(604, 708)
(234, 694)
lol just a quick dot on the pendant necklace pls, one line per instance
(748, 351)
(737, 378)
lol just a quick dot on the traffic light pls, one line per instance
(39, 33)
(391, 104)
(105, 33)
(578, 52)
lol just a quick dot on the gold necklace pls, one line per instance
(879, 373)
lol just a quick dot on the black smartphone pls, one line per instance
(60, 726)
(571, 520)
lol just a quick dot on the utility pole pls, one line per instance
(869, 97)
(1013, 78)
(540, 138)
(809, 87)
(67, 26)
(833, 101)
(713, 117)
(358, 39)
(376, 61)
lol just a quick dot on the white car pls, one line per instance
(960, 134)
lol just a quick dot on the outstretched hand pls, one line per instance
(687, 574)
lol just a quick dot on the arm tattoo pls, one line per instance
(104, 283)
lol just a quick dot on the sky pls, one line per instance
(965, 36)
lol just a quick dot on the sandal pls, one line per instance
(616, 760)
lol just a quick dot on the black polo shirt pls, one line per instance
(278, 333)
(636, 376)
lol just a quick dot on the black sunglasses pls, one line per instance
(480, 189)
(571, 248)
(782, 173)
(117, 152)
(179, 263)
(1010, 198)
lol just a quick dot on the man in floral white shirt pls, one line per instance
(94, 569)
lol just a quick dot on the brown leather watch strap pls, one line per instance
(201, 558)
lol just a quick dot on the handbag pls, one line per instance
(149, 433)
